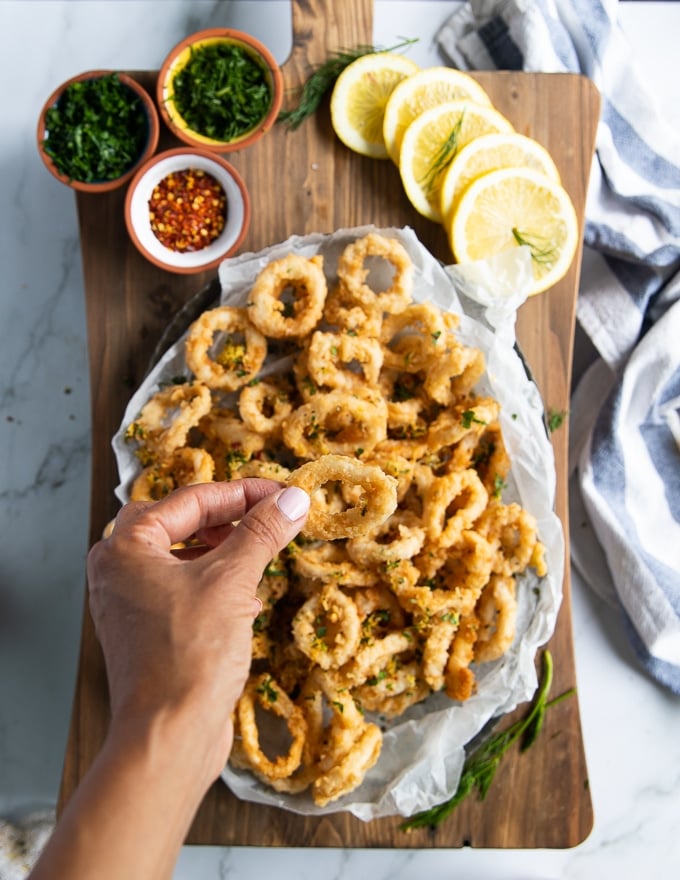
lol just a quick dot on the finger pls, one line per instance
(130, 512)
(263, 532)
(191, 509)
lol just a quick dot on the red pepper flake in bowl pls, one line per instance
(187, 210)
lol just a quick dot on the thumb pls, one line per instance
(265, 530)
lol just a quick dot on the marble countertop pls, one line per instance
(630, 724)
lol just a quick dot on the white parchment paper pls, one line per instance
(424, 750)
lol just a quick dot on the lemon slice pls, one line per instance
(487, 153)
(359, 97)
(510, 207)
(433, 139)
(419, 92)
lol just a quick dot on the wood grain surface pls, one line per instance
(302, 182)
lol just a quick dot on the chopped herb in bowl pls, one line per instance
(220, 89)
(96, 129)
(222, 92)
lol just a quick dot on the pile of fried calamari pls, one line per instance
(405, 573)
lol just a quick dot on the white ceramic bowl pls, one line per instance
(138, 221)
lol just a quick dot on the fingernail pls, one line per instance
(257, 606)
(293, 503)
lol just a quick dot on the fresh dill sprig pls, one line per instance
(442, 157)
(323, 79)
(542, 251)
(480, 765)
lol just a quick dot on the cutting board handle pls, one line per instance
(321, 27)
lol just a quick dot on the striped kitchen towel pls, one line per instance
(625, 409)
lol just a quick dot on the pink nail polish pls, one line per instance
(293, 503)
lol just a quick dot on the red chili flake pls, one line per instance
(187, 210)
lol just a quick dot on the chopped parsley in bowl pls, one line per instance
(221, 89)
(96, 129)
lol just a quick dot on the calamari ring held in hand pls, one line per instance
(264, 690)
(238, 360)
(377, 501)
(269, 311)
(353, 271)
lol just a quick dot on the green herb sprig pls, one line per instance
(556, 419)
(480, 765)
(443, 156)
(323, 78)
(542, 252)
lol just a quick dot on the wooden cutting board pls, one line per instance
(302, 182)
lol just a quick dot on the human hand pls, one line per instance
(176, 628)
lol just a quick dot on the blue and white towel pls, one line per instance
(625, 410)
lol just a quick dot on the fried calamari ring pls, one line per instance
(401, 536)
(380, 612)
(393, 689)
(459, 678)
(346, 310)
(329, 562)
(238, 359)
(497, 613)
(230, 442)
(166, 419)
(452, 374)
(412, 338)
(353, 271)
(327, 627)
(339, 753)
(451, 425)
(377, 503)
(395, 466)
(444, 579)
(264, 405)
(350, 771)
(512, 531)
(437, 647)
(262, 689)
(335, 423)
(490, 459)
(185, 466)
(451, 504)
(273, 585)
(347, 363)
(269, 311)
(260, 467)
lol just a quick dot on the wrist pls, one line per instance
(191, 744)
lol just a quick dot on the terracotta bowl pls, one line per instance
(138, 210)
(149, 144)
(177, 61)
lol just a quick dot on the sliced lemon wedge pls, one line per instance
(419, 92)
(511, 207)
(432, 140)
(487, 153)
(359, 97)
